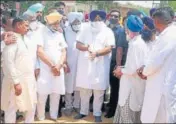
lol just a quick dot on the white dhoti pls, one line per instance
(54, 105)
(85, 95)
(72, 101)
(10, 113)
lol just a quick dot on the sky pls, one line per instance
(141, 3)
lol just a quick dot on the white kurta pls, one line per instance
(158, 69)
(32, 40)
(94, 74)
(18, 68)
(72, 57)
(130, 83)
(47, 83)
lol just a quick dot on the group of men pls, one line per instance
(77, 58)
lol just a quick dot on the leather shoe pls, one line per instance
(79, 116)
(109, 115)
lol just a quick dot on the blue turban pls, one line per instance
(146, 34)
(148, 22)
(152, 11)
(134, 23)
(36, 7)
(96, 13)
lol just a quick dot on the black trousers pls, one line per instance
(114, 90)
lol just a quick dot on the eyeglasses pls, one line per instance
(114, 16)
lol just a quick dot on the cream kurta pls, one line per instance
(18, 68)
(94, 74)
(130, 83)
(159, 68)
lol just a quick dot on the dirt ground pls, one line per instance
(64, 119)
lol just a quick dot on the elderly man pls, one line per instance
(75, 20)
(132, 87)
(52, 54)
(94, 43)
(19, 84)
(160, 94)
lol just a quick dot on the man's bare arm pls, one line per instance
(104, 51)
(119, 55)
(82, 47)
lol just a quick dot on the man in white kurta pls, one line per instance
(33, 38)
(71, 31)
(52, 54)
(19, 84)
(95, 43)
(132, 87)
(160, 99)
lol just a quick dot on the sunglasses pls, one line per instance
(39, 12)
(114, 16)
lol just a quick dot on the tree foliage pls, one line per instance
(172, 4)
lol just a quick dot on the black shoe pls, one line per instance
(59, 114)
(79, 116)
(98, 119)
(109, 114)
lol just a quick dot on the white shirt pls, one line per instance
(160, 68)
(32, 40)
(94, 74)
(130, 83)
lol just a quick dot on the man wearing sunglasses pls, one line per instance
(118, 59)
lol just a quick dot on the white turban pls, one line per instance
(72, 16)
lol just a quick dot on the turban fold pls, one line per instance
(36, 7)
(96, 13)
(148, 22)
(53, 17)
(134, 23)
(75, 15)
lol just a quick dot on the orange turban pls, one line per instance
(53, 17)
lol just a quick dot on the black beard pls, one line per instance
(39, 18)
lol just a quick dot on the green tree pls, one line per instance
(172, 4)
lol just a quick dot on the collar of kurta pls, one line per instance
(165, 30)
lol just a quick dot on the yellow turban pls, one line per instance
(53, 17)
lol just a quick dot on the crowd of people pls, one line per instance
(76, 58)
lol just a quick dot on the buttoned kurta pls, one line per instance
(72, 57)
(18, 68)
(159, 69)
(53, 43)
(131, 84)
(94, 74)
